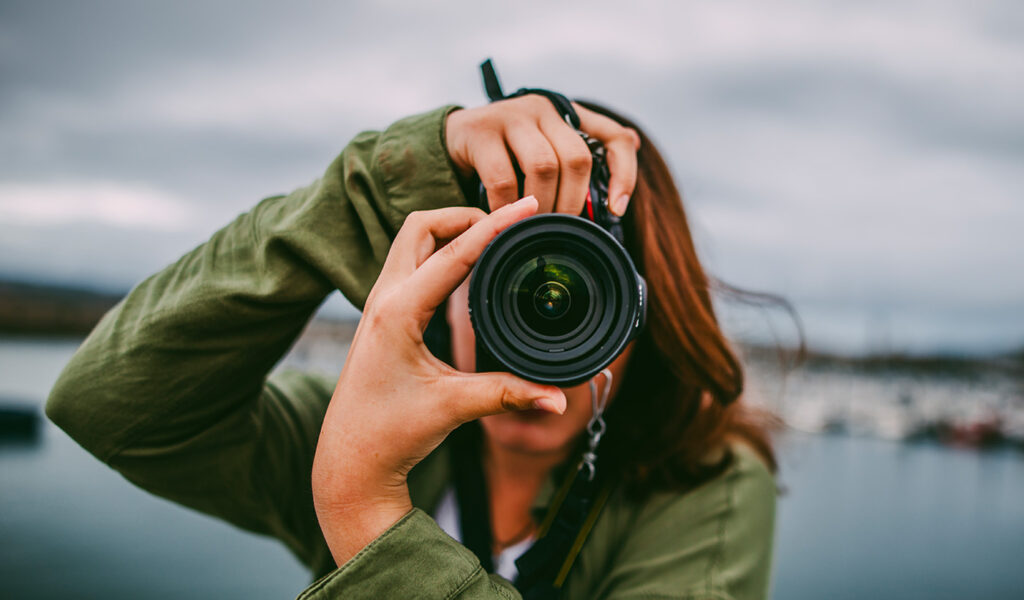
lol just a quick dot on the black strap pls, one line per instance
(471, 493)
(540, 566)
(571, 515)
(491, 84)
(494, 92)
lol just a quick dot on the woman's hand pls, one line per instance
(395, 402)
(552, 156)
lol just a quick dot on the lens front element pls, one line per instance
(551, 297)
(554, 299)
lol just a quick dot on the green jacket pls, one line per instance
(171, 389)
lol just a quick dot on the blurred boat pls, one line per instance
(815, 417)
(19, 422)
(983, 432)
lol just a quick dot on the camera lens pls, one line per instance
(551, 297)
(554, 299)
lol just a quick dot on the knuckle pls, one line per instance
(632, 137)
(379, 318)
(452, 251)
(375, 319)
(544, 167)
(534, 103)
(483, 121)
(505, 185)
(518, 122)
(579, 162)
(482, 118)
(415, 220)
(509, 401)
(384, 308)
(493, 230)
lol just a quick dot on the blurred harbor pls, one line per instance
(969, 402)
(965, 401)
(957, 401)
(899, 477)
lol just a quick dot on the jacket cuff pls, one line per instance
(412, 556)
(415, 169)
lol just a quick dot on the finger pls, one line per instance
(422, 233)
(494, 167)
(622, 165)
(574, 162)
(440, 274)
(475, 395)
(621, 144)
(538, 161)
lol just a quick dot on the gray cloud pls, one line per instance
(862, 159)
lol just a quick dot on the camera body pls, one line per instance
(555, 298)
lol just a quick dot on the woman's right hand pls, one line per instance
(553, 157)
(395, 402)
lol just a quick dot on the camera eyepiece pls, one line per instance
(554, 299)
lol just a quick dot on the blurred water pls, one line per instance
(860, 518)
(869, 518)
(72, 528)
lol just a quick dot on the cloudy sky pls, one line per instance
(863, 159)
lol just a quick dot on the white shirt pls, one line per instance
(447, 518)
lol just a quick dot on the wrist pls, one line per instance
(349, 523)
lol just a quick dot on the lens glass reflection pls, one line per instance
(551, 297)
(552, 300)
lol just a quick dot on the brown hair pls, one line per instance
(680, 403)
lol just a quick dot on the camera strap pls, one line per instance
(571, 516)
(568, 521)
(494, 93)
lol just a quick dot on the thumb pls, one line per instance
(482, 394)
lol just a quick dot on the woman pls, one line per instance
(171, 389)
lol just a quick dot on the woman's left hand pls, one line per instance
(395, 402)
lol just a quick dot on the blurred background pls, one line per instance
(864, 160)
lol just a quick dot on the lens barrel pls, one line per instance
(554, 299)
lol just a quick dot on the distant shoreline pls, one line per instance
(40, 310)
(35, 310)
(56, 311)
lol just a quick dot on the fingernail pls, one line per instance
(548, 404)
(619, 208)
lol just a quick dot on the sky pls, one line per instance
(862, 159)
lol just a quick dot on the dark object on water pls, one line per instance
(18, 423)
(977, 433)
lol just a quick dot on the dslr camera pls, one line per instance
(555, 298)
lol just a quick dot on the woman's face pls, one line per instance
(533, 431)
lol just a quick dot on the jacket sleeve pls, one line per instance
(414, 558)
(712, 543)
(171, 387)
